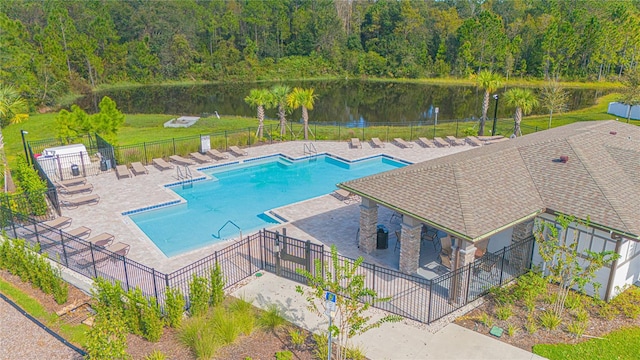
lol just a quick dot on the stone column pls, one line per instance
(519, 256)
(410, 245)
(368, 222)
(463, 254)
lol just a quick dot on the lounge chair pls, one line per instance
(161, 164)
(440, 142)
(445, 243)
(453, 141)
(70, 182)
(181, 161)
(355, 143)
(426, 142)
(122, 172)
(346, 196)
(445, 261)
(60, 222)
(75, 202)
(200, 158)
(403, 144)
(102, 240)
(119, 248)
(80, 188)
(237, 151)
(214, 153)
(79, 232)
(473, 141)
(138, 169)
(377, 143)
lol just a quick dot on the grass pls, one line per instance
(76, 334)
(619, 344)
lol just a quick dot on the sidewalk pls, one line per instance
(402, 340)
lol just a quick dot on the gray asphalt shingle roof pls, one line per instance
(475, 193)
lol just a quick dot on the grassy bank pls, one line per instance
(73, 333)
(619, 344)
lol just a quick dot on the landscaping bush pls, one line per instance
(32, 186)
(23, 261)
(216, 285)
(298, 338)
(107, 338)
(284, 355)
(550, 320)
(272, 317)
(174, 307)
(198, 296)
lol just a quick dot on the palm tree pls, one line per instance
(12, 107)
(302, 98)
(524, 100)
(490, 82)
(261, 99)
(280, 93)
(631, 91)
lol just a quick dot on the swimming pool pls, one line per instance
(242, 194)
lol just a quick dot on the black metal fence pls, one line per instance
(411, 296)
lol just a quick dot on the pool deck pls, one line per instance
(315, 219)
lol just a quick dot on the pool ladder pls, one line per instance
(185, 176)
(225, 225)
(310, 149)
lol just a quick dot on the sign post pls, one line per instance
(330, 309)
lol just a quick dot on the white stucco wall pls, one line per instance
(498, 241)
(628, 270)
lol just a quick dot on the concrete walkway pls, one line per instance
(402, 340)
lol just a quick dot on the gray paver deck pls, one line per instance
(307, 221)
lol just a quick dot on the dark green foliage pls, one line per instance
(32, 187)
(216, 285)
(198, 296)
(107, 339)
(23, 261)
(284, 355)
(174, 307)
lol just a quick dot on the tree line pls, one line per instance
(50, 48)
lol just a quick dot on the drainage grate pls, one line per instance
(78, 314)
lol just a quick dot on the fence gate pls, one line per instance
(283, 255)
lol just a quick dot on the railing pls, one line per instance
(411, 296)
(310, 149)
(229, 222)
(184, 176)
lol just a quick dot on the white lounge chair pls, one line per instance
(75, 189)
(377, 143)
(138, 169)
(75, 202)
(122, 171)
(102, 240)
(237, 151)
(214, 153)
(346, 196)
(403, 144)
(426, 142)
(440, 142)
(454, 141)
(355, 143)
(79, 232)
(181, 161)
(161, 164)
(200, 158)
(473, 141)
(60, 222)
(119, 248)
(70, 182)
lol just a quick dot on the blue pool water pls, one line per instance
(242, 194)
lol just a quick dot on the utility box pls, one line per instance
(382, 237)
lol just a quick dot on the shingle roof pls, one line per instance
(477, 192)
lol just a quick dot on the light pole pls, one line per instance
(24, 144)
(435, 123)
(495, 116)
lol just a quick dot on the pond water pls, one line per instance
(351, 103)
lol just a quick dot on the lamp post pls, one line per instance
(495, 116)
(24, 144)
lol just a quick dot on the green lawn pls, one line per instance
(73, 333)
(619, 344)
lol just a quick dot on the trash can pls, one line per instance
(103, 165)
(382, 237)
(75, 170)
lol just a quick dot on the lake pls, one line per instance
(351, 103)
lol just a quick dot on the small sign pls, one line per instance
(330, 297)
(205, 143)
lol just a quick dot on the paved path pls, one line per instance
(403, 340)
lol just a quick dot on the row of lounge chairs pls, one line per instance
(103, 240)
(436, 142)
(137, 168)
(76, 186)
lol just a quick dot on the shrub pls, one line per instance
(151, 321)
(198, 296)
(486, 320)
(322, 346)
(298, 338)
(512, 330)
(108, 295)
(504, 312)
(33, 187)
(628, 302)
(577, 328)
(244, 315)
(225, 326)
(502, 295)
(272, 317)
(133, 310)
(107, 338)
(284, 355)
(608, 311)
(174, 307)
(573, 301)
(581, 315)
(531, 325)
(216, 285)
(550, 320)
(199, 337)
(355, 353)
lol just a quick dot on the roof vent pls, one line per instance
(564, 158)
(613, 132)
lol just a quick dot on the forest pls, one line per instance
(53, 48)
